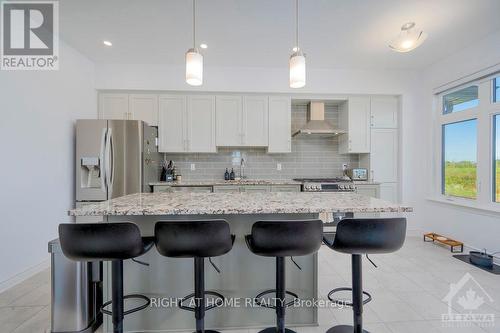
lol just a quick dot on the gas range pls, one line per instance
(326, 184)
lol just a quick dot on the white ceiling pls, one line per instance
(260, 33)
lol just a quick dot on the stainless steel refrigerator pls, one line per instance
(114, 158)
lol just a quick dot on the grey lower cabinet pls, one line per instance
(256, 188)
(167, 188)
(370, 190)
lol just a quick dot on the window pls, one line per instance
(496, 158)
(496, 89)
(460, 159)
(467, 168)
(460, 100)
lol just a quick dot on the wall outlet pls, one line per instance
(193, 166)
(278, 166)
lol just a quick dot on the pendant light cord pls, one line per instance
(297, 24)
(194, 24)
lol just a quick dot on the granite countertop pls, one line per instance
(365, 182)
(238, 203)
(226, 182)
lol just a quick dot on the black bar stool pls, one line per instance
(113, 242)
(282, 239)
(358, 237)
(198, 240)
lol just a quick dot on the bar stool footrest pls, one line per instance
(216, 304)
(273, 291)
(273, 330)
(343, 329)
(340, 302)
(131, 296)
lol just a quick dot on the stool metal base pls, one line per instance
(275, 330)
(343, 329)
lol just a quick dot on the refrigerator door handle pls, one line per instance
(107, 159)
(110, 162)
(102, 172)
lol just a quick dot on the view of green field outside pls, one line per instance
(460, 159)
(498, 180)
(460, 179)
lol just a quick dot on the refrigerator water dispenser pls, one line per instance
(90, 173)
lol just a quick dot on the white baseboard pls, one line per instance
(16, 279)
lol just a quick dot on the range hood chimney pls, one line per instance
(316, 123)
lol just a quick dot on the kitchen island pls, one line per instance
(243, 274)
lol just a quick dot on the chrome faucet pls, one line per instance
(242, 168)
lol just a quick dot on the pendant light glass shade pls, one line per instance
(194, 67)
(409, 38)
(297, 65)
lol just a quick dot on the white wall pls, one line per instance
(38, 109)
(476, 228)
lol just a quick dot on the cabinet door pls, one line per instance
(229, 120)
(226, 189)
(113, 106)
(384, 112)
(144, 107)
(255, 121)
(389, 192)
(384, 155)
(201, 124)
(172, 124)
(255, 189)
(368, 190)
(359, 125)
(280, 122)
(285, 188)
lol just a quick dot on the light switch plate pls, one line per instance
(193, 166)
(278, 166)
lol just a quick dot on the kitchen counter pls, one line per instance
(226, 182)
(243, 274)
(238, 203)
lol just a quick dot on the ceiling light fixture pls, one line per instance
(203, 46)
(194, 59)
(409, 38)
(107, 43)
(297, 62)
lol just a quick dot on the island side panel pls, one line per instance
(243, 275)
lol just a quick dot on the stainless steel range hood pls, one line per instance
(316, 123)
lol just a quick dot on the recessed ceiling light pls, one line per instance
(107, 43)
(203, 46)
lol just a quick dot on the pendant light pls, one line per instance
(297, 61)
(409, 38)
(194, 59)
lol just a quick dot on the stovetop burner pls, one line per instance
(327, 184)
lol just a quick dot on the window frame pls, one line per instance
(484, 112)
(494, 157)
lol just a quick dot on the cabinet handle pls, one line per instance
(373, 174)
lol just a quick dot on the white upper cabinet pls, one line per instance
(172, 123)
(229, 118)
(384, 155)
(114, 106)
(354, 118)
(255, 121)
(242, 121)
(201, 124)
(186, 124)
(280, 122)
(144, 107)
(384, 112)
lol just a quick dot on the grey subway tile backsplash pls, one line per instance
(310, 157)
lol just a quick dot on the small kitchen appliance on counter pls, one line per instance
(357, 173)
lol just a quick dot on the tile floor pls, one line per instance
(407, 289)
